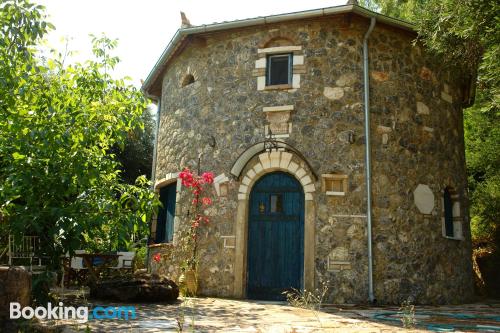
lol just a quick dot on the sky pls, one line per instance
(144, 28)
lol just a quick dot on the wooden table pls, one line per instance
(95, 270)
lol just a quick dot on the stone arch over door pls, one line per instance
(256, 167)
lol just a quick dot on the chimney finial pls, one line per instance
(184, 21)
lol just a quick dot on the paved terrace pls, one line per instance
(224, 315)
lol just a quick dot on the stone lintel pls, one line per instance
(333, 193)
(277, 108)
(169, 178)
(334, 176)
(221, 179)
(279, 49)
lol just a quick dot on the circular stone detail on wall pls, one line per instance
(424, 198)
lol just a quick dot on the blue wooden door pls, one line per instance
(166, 214)
(275, 260)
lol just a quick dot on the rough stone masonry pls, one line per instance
(417, 152)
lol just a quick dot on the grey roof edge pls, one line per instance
(183, 33)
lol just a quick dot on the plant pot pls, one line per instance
(191, 282)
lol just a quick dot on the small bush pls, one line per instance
(140, 257)
(408, 314)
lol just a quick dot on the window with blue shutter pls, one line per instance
(448, 213)
(166, 214)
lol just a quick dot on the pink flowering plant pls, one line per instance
(198, 186)
(157, 257)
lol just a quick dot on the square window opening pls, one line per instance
(276, 203)
(279, 69)
(334, 185)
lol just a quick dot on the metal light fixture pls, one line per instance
(270, 143)
(350, 137)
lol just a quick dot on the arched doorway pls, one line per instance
(275, 255)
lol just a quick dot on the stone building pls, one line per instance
(306, 193)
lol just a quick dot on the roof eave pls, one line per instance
(183, 33)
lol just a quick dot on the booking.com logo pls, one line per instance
(81, 313)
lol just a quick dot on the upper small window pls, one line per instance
(279, 69)
(166, 214)
(448, 213)
(188, 79)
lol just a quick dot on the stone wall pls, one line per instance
(417, 138)
(15, 286)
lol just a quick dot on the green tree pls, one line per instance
(136, 158)
(58, 123)
(402, 9)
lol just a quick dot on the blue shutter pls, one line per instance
(166, 214)
(448, 213)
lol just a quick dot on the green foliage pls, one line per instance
(402, 9)
(408, 314)
(482, 137)
(58, 176)
(41, 288)
(306, 299)
(136, 158)
(141, 254)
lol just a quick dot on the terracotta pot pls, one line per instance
(191, 282)
(182, 280)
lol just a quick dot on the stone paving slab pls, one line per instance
(225, 315)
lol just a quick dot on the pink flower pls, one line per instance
(208, 177)
(186, 177)
(157, 257)
(206, 201)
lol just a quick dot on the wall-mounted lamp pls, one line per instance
(350, 137)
